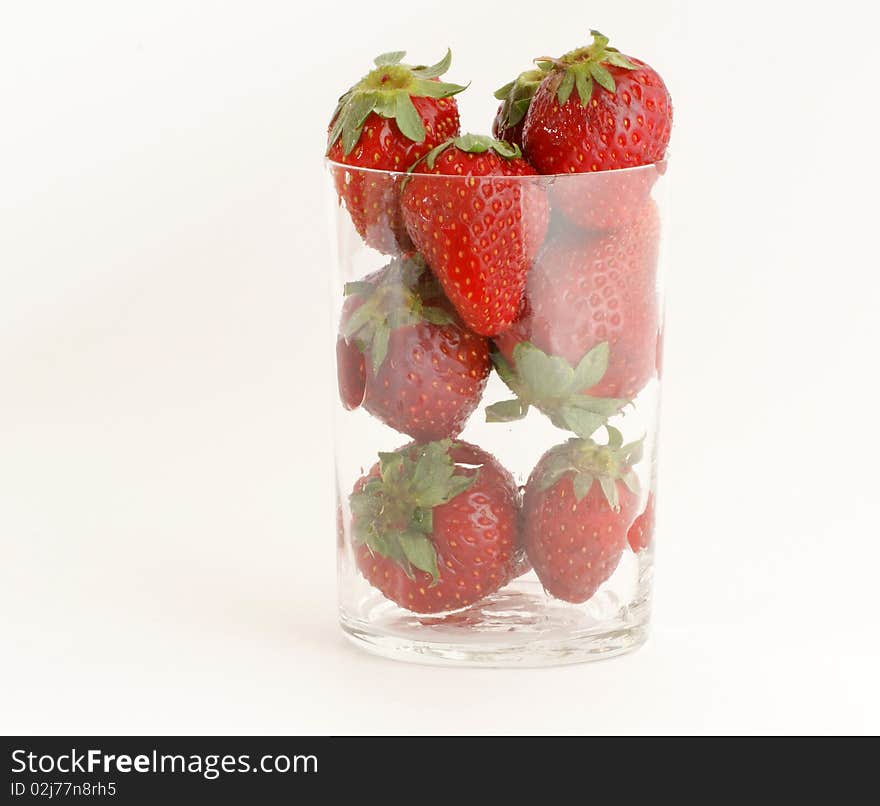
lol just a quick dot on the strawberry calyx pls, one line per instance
(580, 68)
(517, 95)
(397, 300)
(388, 91)
(471, 144)
(586, 462)
(555, 387)
(393, 512)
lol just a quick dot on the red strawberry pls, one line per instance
(392, 117)
(598, 110)
(605, 200)
(403, 353)
(583, 292)
(436, 526)
(579, 502)
(642, 531)
(515, 97)
(480, 234)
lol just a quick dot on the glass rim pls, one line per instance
(659, 167)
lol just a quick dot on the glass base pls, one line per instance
(518, 626)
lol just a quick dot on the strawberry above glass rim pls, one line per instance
(498, 307)
(591, 110)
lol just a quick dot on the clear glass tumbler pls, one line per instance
(496, 490)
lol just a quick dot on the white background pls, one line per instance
(166, 537)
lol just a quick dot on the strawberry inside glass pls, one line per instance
(499, 319)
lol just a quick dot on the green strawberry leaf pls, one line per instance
(420, 552)
(558, 467)
(407, 118)
(584, 86)
(517, 95)
(606, 406)
(373, 486)
(518, 111)
(386, 104)
(615, 438)
(392, 57)
(397, 318)
(502, 92)
(581, 484)
(435, 89)
(631, 480)
(619, 60)
(355, 113)
(432, 477)
(632, 453)
(364, 507)
(504, 370)
(565, 87)
(430, 468)
(359, 319)
(336, 129)
(602, 76)
(390, 465)
(480, 143)
(387, 545)
(609, 490)
(431, 157)
(549, 374)
(509, 151)
(583, 423)
(360, 109)
(600, 41)
(357, 288)
(350, 136)
(506, 411)
(379, 346)
(591, 368)
(423, 520)
(435, 70)
(458, 485)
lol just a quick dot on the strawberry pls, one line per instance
(598, 110)
(591, 290)
(579, 502)
(435, 526)
(403, 353)
(392, 117)
(479, 236)
(642, 531)
(605, 200)
(515, 98)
